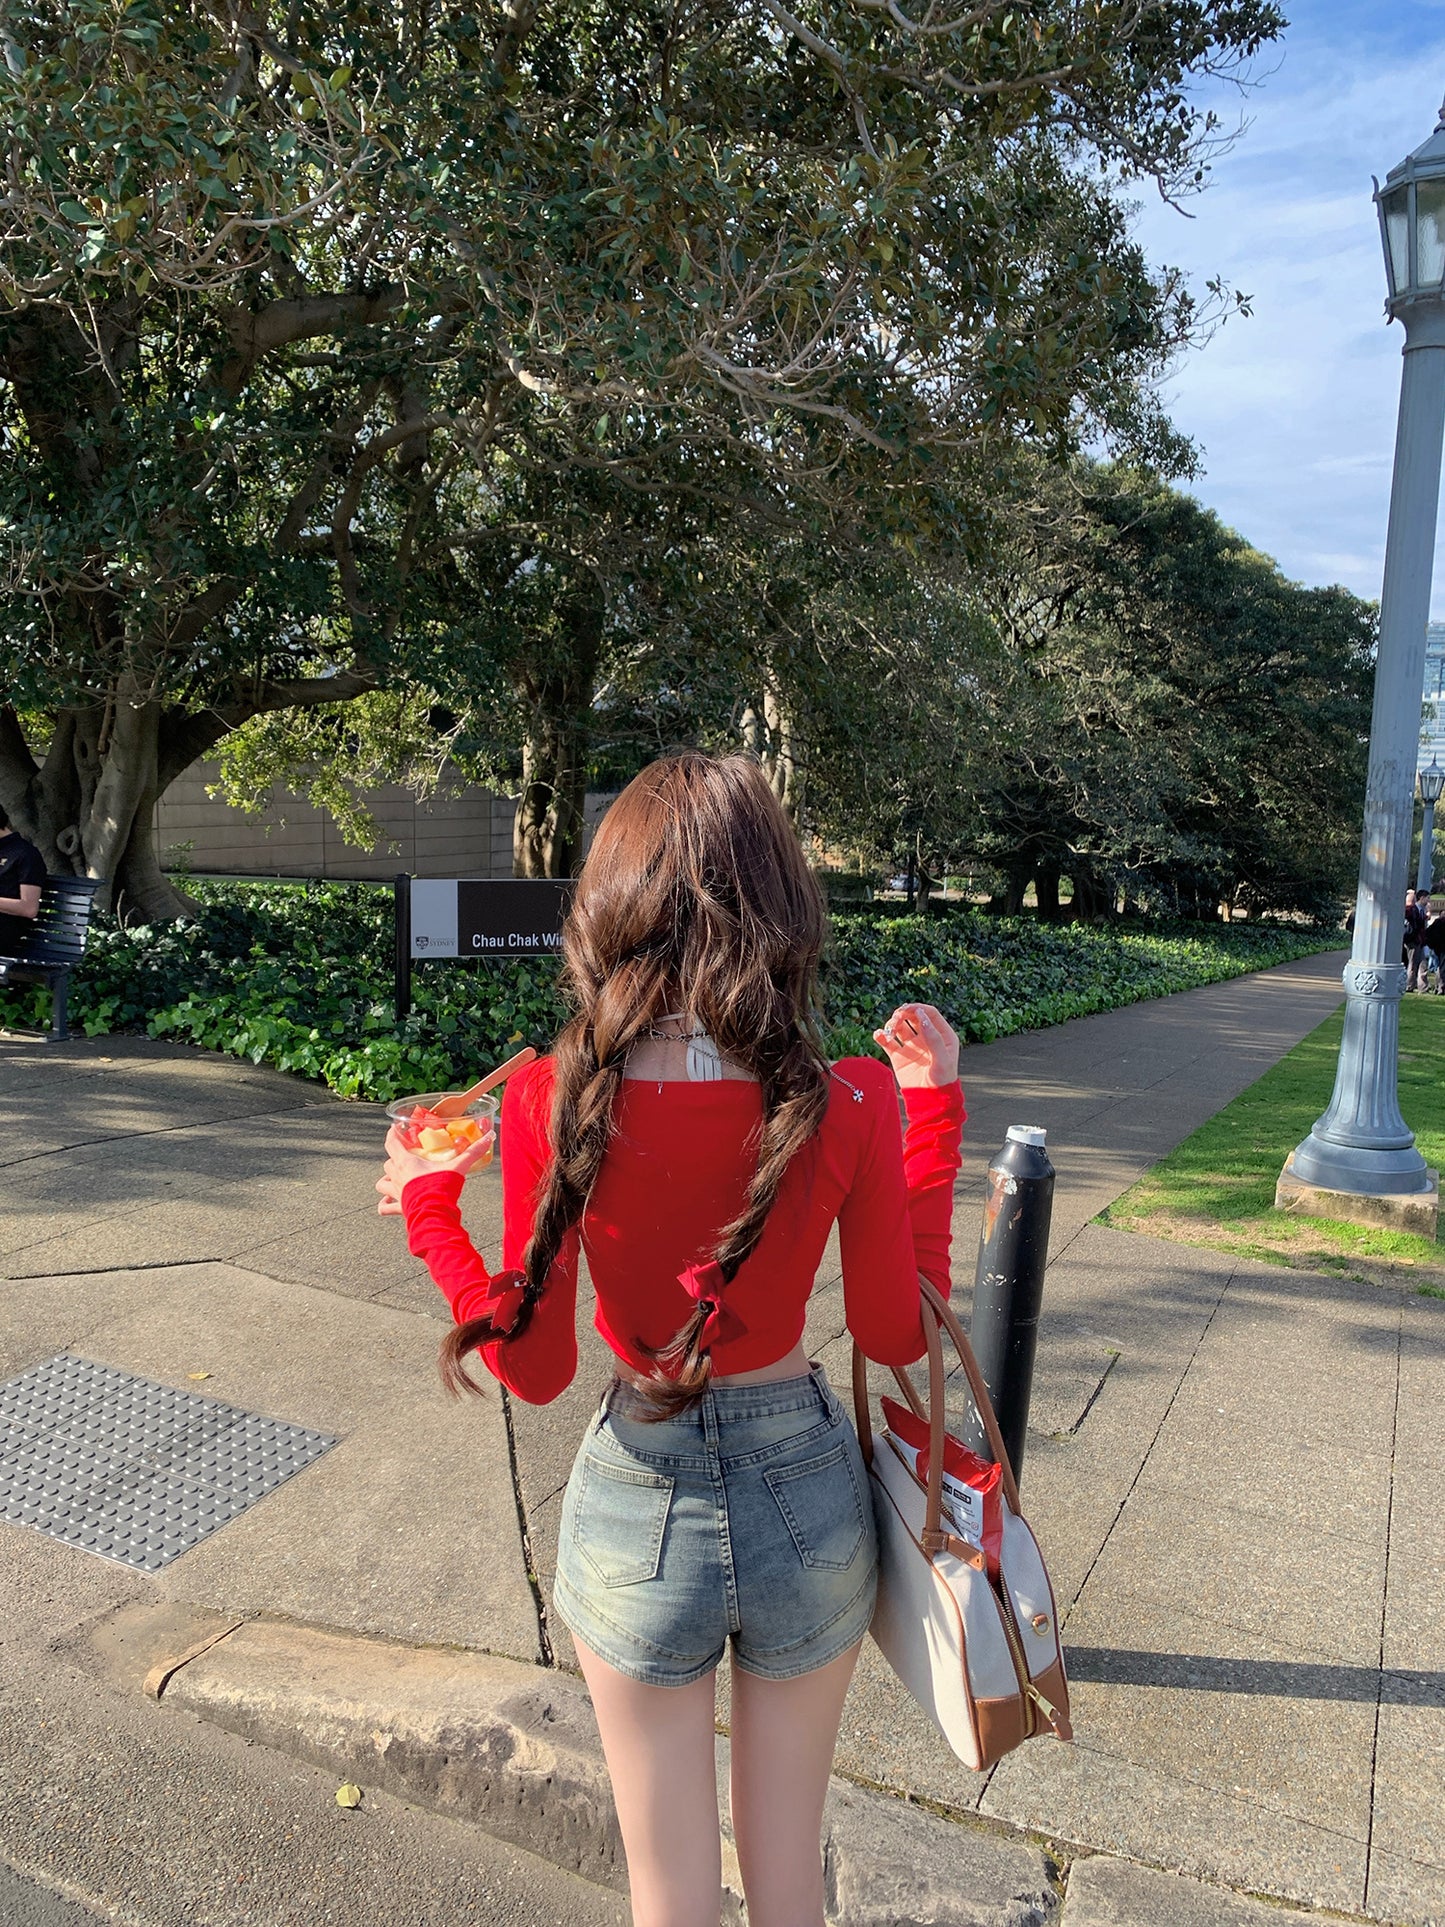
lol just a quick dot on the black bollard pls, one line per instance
(1008, 1286)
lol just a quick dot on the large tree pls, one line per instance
(1167, 713)
(284, 285)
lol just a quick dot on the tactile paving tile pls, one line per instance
(132, 1470)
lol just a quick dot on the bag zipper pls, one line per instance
(1032, 1696)
(1027, 1691)
(1051, 1712)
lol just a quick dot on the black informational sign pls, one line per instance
(475, 917)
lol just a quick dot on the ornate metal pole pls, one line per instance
(1362, 1144)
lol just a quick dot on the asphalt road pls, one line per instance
(23, 1904)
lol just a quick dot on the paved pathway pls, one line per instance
(1231, 1466)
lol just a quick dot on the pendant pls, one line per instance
(704, 1060)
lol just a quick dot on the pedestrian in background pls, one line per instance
(1432, 943)
(1426, 956)
(1417, 915)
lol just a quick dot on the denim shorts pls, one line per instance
(747, 1519)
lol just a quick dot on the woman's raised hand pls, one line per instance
(402, 1164)
(921, 1047)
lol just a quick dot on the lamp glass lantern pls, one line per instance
(1412, 223)
(1431, 780)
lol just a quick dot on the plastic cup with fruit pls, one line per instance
(443, 1137)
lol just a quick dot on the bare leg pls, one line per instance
(783, 1736)
(661, 1748)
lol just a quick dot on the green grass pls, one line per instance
(1217, 1188)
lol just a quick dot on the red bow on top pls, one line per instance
(705, 1285)
(506, 1307)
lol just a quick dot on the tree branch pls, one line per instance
(261, 331)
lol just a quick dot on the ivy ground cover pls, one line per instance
(300, 977)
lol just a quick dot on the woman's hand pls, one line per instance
(403, 1164)
(921, 1047)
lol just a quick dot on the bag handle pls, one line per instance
(937, 1316)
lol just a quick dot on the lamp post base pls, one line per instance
(1416, 1211)
(1362, 1146)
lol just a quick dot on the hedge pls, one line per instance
(299, 977)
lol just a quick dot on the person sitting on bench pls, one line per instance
(22, 877)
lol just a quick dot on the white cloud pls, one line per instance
(1293, 407)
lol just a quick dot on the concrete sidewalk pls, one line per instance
(1230, 1470)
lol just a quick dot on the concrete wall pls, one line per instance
(467, 832)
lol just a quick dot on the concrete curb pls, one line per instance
(514, 1750)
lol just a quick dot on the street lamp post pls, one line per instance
(1431, 781)
(1362, 1144)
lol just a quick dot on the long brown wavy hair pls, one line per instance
(695, 897)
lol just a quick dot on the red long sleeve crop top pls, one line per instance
(676, 1171)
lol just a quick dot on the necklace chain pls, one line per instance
(670, 1036)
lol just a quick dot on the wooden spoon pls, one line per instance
(455, 1104)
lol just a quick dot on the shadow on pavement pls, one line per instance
(1197, 1673)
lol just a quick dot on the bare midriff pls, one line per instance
(796, 1364)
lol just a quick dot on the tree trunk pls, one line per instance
(1092, 898)
(140, 892)
(89, 806)
(770, 734)
(1046, 889)
(547, 829)
(1014, 889)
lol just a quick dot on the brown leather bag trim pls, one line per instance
(949, 1542)
(940, 1541)
(983, 1404)
(1002, 1726)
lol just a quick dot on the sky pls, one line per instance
(1293, 407)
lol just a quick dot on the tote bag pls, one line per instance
(980, 1653)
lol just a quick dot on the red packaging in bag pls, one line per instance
(971, 1485)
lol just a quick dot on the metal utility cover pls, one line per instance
(133, 1470)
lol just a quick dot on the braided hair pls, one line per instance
(694, 896)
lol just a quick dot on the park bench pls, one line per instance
(51, 949)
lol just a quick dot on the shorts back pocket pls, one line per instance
(823, 1508)
(618, 1520)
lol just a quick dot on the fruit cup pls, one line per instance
(442, 1137)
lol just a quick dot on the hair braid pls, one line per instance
(581, 1123)
(580, 1127)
